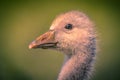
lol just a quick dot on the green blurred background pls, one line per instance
(22, 21)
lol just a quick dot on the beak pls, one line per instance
(47, 40)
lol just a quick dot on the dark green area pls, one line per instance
(23, 20)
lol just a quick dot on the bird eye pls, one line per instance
(68, 26)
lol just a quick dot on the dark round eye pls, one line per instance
(68, 26)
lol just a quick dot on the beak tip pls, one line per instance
(30, 47)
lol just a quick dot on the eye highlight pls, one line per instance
(69, 26)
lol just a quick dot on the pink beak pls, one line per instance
(47, 40)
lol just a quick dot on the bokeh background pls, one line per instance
(21, 21)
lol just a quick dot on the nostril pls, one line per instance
(42, 39)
